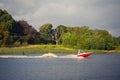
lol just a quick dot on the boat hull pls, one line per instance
(84, 54)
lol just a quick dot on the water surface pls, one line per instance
(95, 67)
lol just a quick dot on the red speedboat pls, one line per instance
(83, 54)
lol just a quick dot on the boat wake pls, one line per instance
(47, 55)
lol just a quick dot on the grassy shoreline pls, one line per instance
(40, 49)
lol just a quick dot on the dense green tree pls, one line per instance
(58, 33)
(74, 36)
(117, 41)
(85, 38)
(46, 33)
(4, 36)
(6, 26)
(7, 20)
(69, 40)
(77, 30)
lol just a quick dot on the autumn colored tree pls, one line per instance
(29, 34)
(16, 31)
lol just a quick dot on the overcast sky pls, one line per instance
(100, 14)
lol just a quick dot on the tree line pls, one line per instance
(17, 33)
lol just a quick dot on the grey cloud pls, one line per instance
(102, 14)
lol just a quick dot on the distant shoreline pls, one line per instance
(41, 49)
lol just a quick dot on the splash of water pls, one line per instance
(52, 55)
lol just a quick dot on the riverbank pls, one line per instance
(40, 49)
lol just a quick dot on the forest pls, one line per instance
(17, 33)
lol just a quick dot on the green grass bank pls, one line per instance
(40, 49)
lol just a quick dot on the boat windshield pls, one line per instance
(80, 51)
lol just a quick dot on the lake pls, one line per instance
(94, 67)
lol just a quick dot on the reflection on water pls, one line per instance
(95, 67)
